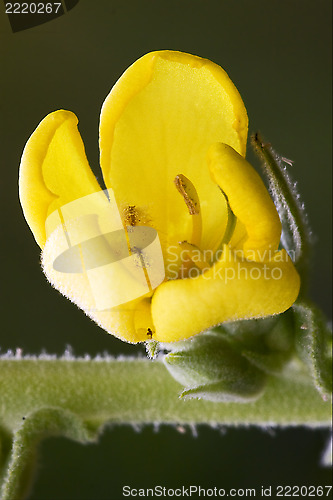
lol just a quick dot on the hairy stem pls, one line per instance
(142, 391)
(44, 396)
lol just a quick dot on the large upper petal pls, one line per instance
(54, 170)
(159, 121)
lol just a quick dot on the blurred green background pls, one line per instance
(278, 53)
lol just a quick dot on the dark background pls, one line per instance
(278, 53)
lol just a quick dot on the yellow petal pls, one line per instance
(107, 272)
(128, 321)
(232, 289)
(158, 122)
(249, 200)
(54, 170)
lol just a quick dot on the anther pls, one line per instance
(191, 198)
(189, 193)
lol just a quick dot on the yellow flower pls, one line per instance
(172, 140)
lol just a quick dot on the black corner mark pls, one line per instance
(24, 15)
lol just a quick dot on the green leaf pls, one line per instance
(314, 345)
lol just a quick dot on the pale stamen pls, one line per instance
(132, 218)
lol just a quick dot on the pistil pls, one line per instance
(230, 228)
(191, 248)
(195, 254)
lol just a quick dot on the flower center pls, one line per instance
(193, 261)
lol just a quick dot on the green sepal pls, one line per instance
(296, 234)
(210, 368)
(313, 340)
(268, 343)
(276, 333)
(230, 391)
(271, 363)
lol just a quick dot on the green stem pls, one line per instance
(75, 397)
(142, 391)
